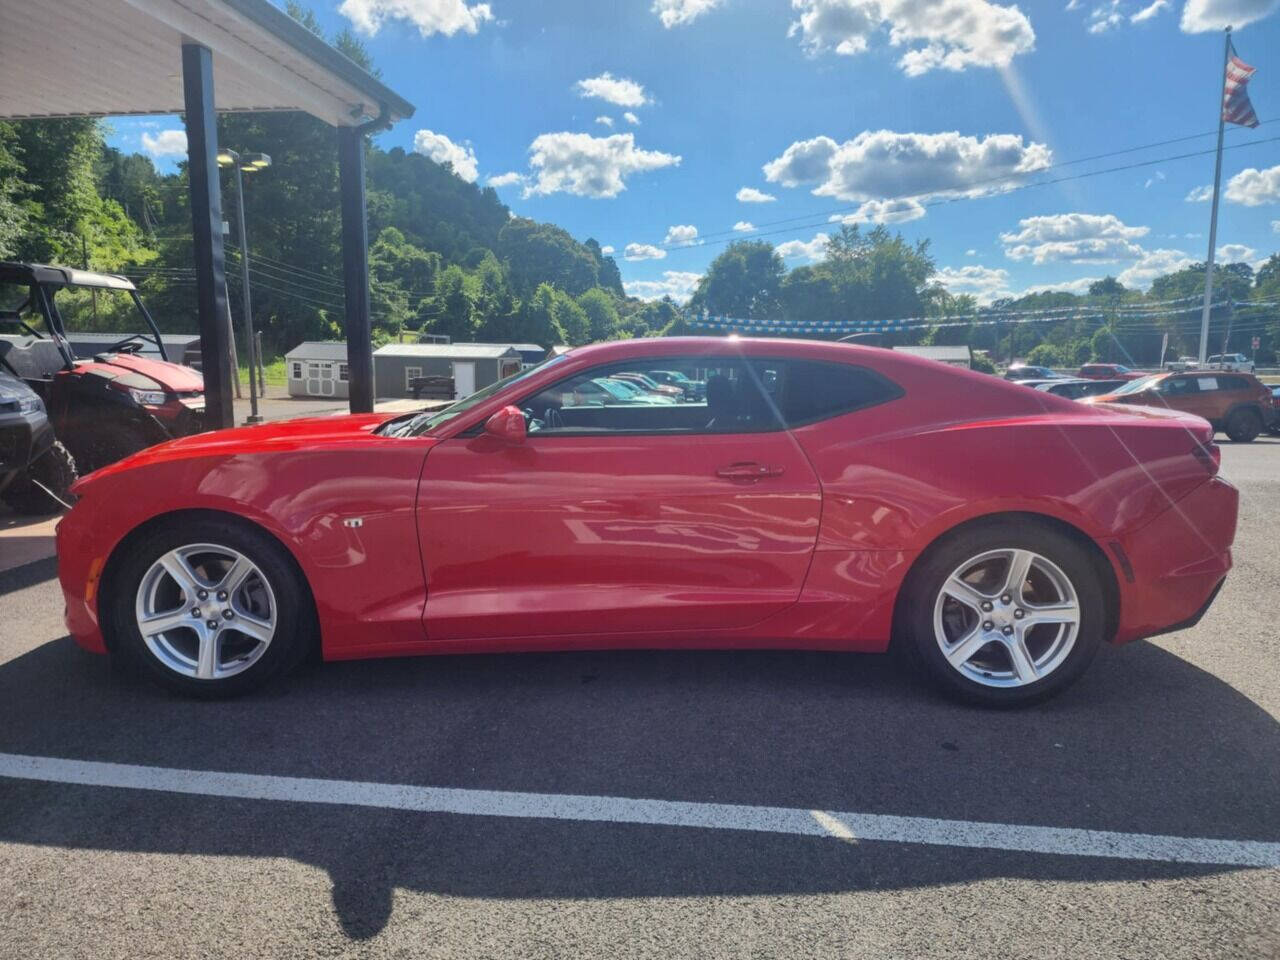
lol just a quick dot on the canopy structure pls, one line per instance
(115, 57)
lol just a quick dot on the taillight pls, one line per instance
(1209, 455)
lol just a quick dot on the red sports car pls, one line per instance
(822, 496)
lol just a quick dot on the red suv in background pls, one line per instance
(1108, 371)
(1238, 404)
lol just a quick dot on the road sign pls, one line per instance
(1256, 343)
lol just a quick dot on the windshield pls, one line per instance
(1136, 386)
(415, 424)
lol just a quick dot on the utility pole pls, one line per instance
(1213, 217)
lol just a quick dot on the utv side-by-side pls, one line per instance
(112, 404)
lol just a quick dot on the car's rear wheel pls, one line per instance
(209, 608)
(1006, 614)
(1243, 426)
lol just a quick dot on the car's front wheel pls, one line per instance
(209, 608)
(1006, 614)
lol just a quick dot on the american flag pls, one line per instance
(1236, 107)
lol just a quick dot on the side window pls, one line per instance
(297, 370)
(1177, 386)
(703, 395)
(1233, 383)
(817, 390)
(411, 374)
(344, 372)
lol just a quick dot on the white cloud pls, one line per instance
(682, 234)
(643, 251)
(882, 211)
(983, 282)
(1235, 253)
(616, 90)
(1156, 177)
(429, 16)
(1078, 286)
(1200, 194)
(881, 163)
(506, 179)
(166, 143)
(746, 226)
(605, 121)
(946, 34)
(1275, 226)
(1103, 18)
(1154, 263)
(631, 118)
(1201, 15)
(1253, 187)
(676, 13)
(588, 166)
(1074, 238)
(441, 149)
(815, 249)
(676, 284)
(971, 252)
(1149, 12)
(752, 195)
(607, 250)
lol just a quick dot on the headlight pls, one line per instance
(30, 404)
(148, 398)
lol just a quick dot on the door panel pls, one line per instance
(611, 534)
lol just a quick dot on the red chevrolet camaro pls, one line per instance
(821, 496)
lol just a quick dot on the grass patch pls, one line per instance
(273, 370)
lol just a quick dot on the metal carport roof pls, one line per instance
(107, 57)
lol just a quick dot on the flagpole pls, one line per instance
(1213, 217)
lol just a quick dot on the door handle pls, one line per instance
(748, 470)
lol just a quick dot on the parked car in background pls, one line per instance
(1274, 429)
(1108, 371)
(607, 391)
(1079, 388)
(32, 463)
(649, 385)
(824, 496)
(1030, 371)
(693, 389)
(1182, 363)
(1238, 404)
(1230, 361)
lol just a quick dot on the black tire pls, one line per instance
(54, 471)
(108, 441)
(1243, 426)
(295, 626)
(915, 618)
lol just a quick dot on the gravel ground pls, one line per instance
(1175, 736)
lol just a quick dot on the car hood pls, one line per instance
(172, 377)
(279, 437)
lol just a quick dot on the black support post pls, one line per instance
(206, 231)
(355, 268)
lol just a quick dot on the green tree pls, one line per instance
(541, 253)
(743, 281)
(602, 314)
(571, 318)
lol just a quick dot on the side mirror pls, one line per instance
(507, 425)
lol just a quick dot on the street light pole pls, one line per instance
(240, 163)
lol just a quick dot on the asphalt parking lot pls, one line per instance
(1177, 737)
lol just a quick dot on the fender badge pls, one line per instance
(353, 522)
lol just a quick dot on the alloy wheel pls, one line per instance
(1006, 618)
(206, 611)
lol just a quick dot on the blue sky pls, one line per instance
(901, 110)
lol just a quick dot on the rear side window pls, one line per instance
(814, 390)
(1233, 383)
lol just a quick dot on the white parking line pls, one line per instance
(851, 827)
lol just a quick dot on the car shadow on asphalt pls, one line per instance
(1146, 742)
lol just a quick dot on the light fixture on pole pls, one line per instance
(245, 163)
